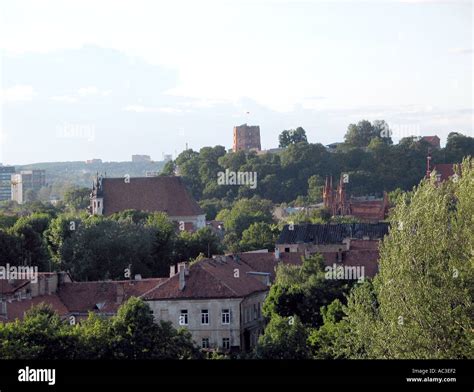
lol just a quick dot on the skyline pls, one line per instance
(72, 90)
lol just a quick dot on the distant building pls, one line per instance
(444, 171)
(24, 181)
(167, 157)
(271, 151)
(346, 244)
(366, 209)
(93, 161)
(246, 138)
(153, 194)
(434, 141)
(5, 182)
(141, 158)
(333, 146)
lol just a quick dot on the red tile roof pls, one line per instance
(164, 194)
(446, 170)
(433, 140)
(103, 296)
(16, 309)
(266, 262)
(210, 278)
(7, 287)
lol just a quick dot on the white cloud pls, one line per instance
(150, 109)
(64, 98)
(92, 90)
(18, 93)
(461, 51)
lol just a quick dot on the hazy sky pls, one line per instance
(108, 79)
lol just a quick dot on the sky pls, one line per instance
(108, 79)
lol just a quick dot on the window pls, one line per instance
(259, 310)
(183, 317)
(225, 316)
(254, 311)
(287, 250)
(205, 316)
(3, 307)
(226, 343)
(205, 343)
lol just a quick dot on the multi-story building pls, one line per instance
(152, 194)
(141, 158)
(246, 138)
(24, 181)
(5, 182)
(218, 300)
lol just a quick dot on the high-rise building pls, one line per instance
(5, 182)
(24, 181)
(246, 138)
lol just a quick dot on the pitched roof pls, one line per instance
(103, 296)
(164, 194)
(266, 262)
(210, 278)
(9, 287)
(331, 233)
(16, 309)
(446, 170)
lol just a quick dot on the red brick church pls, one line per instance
(366, 209)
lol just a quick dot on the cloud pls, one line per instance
(461, 50)
(92, 90)
(151, 109)
(18, 93)
(64, 98)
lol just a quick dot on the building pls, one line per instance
(444, 171)
(68, 298)
(367, 209)
(434, 141)
(346, 244)
(152, 194)
(5, 182)
(141, 158)
(218, 300)
(24, 181)
(246, 138)
(93, 161)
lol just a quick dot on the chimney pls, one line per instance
(120, 293)
(277, 254)
(339, 255)
(182, 279)
(172, 270)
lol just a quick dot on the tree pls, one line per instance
(302, 290)
(292, 136)
(362, 133)
(284, 338)
(259, 235)
(421, 302)
(135, 335)
(77, 198)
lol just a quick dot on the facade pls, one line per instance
(365, 208)
(218, 300)
(346, 244)
(6, 173)
(152, 194)
(246, 138)
(141, 158)
(24, 181)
